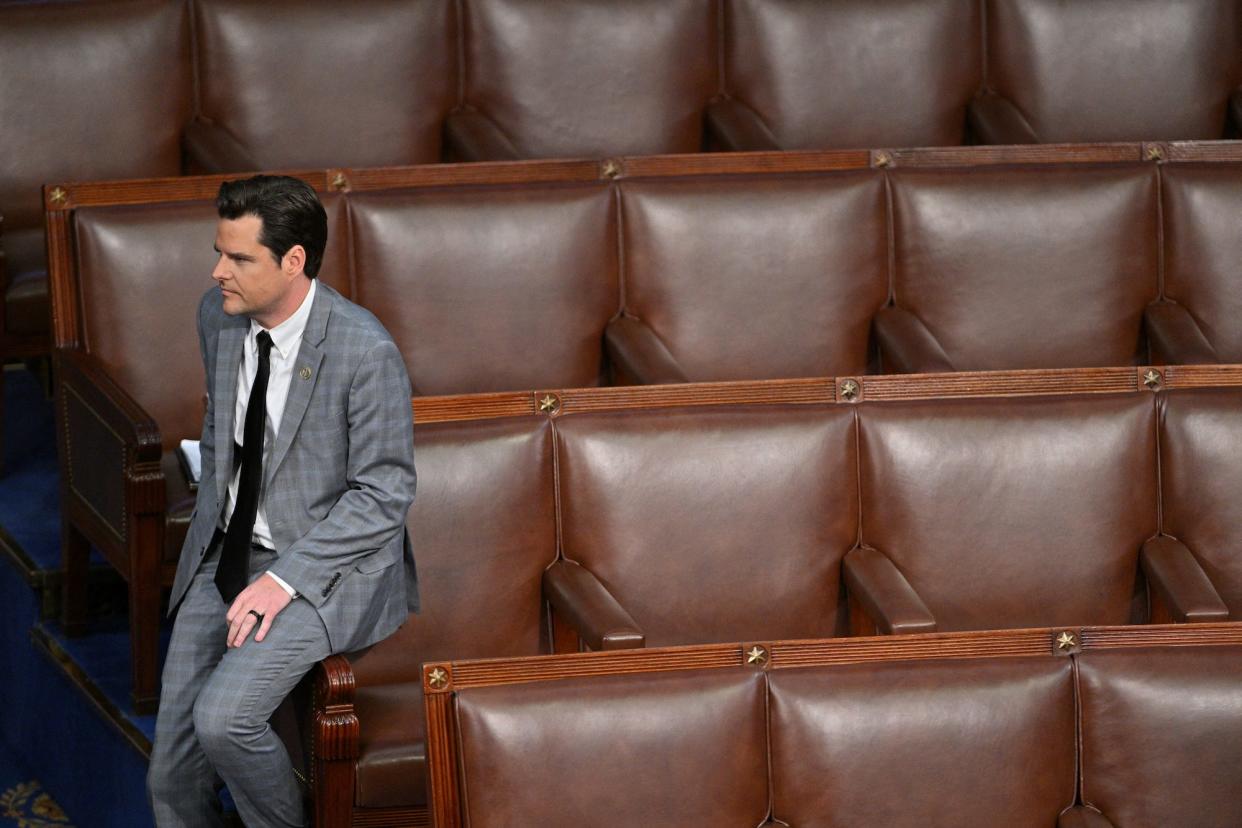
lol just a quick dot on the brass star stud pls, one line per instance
(756, 655)
(883, 159)
(1065, 641)
(610, 169)
(1152, 378)
(339, 181)
(437, 678)
(549, 404)
(1155, 153)
(849, 390)
(58, 195)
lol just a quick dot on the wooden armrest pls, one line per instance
(906, 346)
(1174, 337)
(581, 600)
(735, 127)
(472, 136)
(876, 587)
(994, 119)
(1081, 816)
(335, 737)
(1180, 589)
(210, 149)
(639, 355)
(106, 403)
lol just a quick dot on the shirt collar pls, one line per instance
(288, 334)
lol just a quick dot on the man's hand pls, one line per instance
(265, 597)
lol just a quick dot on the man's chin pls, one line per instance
(231, 305)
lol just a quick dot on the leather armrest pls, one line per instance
(581, 600)
(995, 120)
(884, 594)
(906, 346)
(638, 354)
(1080, 816)
(1174, 337)
(210, 149)
(109, 405)
(1235, 109)
(735, 127)
(472, 136)
(1180, 589)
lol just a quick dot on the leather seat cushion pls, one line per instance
(392, 751)
(26, 304)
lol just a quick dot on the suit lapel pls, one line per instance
(228, 362)
(304, 378)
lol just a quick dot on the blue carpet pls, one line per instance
(23, 801)
(53, 731)
(30, 501)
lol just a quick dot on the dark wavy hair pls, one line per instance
(290, 212)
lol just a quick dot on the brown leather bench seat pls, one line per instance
(565, 278)
(973, 729)
(664, 524)
(1107, 71)
(484, 528)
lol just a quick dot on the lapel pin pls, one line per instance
(304, 373)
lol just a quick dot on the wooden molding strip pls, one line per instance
(826, 390)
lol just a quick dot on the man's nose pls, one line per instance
(220, 271)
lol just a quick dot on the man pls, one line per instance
(297, 547)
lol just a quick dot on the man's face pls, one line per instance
(251, 280)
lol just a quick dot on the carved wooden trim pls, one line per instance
(824, 390)
(1204, 151)
(62, 281)
(1150, 635)
(987, 156)
(334, 742)
(442, 761)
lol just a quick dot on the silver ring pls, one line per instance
(257, 615)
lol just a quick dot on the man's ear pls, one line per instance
(293, 262)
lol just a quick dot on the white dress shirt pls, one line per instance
(286, 341)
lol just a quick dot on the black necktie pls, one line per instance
(233, 572)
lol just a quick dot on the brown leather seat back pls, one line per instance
(593, 77)
(1115, 70)
(87, 91)
(987, 742)
(855, 73)
(1162, 735)
(758, 279)
(1202, 249)
(1201, 478)
(324, 83)
(1012, 513)
(685, 748)
(697, 520)
(483, 529)
(141, 273)
(490, 289)
(1028, 268)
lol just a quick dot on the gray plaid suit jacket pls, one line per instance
(339, 479)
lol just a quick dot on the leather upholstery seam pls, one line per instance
(890, 228)
(1160, 246)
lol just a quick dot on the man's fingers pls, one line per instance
(263, 627)
(240, 629)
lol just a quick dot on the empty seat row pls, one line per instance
(656, 525)
(176, 85)
(1130, 733)
(560, 282)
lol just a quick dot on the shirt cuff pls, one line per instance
(293, 593)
